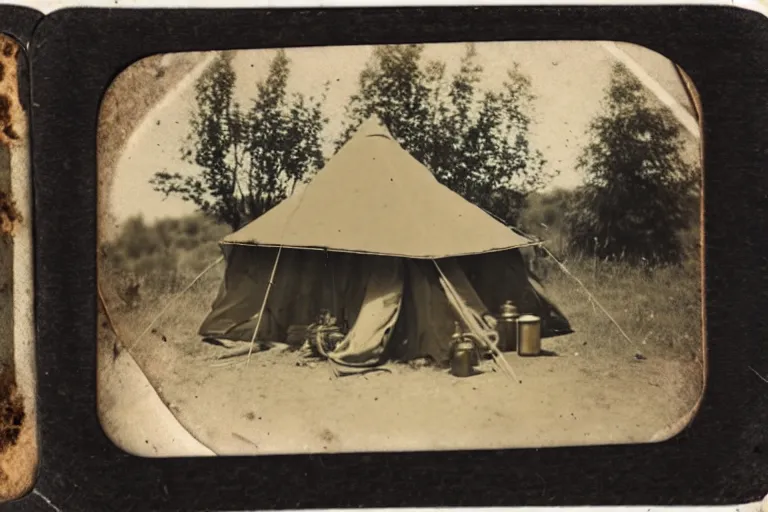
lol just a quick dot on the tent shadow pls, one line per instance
(474, 372)
(219, 342)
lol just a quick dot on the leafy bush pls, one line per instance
(637, 198)
(162, 257)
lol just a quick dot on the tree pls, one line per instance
(636, 199)
(474, 141)
(248, 161)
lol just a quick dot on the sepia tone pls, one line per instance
(332, 262)
(18, 445)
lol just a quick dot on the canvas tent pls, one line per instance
(376, 239)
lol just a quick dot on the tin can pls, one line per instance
(507, 327)
(529, 339)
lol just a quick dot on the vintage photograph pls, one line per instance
(399, 248)
(18, 430)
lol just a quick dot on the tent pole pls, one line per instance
(264, 303)
(495, 352)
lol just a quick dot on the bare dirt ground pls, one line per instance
(279, 404)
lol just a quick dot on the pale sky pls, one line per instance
(568, 79)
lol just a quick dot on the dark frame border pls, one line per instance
(721, 458)
(19, 22)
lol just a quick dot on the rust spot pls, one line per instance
(9, 214)
(5, 109)
(10, 132)
(10, 108)
(9, 49)
(6, 118)
(327, 436)
(11, 412)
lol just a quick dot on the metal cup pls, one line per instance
(529, 336)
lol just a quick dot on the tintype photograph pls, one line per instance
(399, 248)
(18, 443)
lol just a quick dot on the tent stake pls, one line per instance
(170, 302)
(264, 303)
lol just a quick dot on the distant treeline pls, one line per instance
(171, 252)
(165, 255)
(546, 216)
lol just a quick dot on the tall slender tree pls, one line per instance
(636, 200)
(246, 161)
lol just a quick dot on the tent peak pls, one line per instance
(373, 197)
(374, 127)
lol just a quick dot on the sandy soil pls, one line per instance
(274, 405)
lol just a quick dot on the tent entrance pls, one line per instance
(396, 308)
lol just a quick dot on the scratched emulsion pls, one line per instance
(18, 445)
(131, 95)
(124, 107)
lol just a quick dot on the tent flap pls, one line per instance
(366, 341)
(397, 308)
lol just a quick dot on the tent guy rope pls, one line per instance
(589, 294)
(173, 299)
(562, 266)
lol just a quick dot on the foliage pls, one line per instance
(474, 141)
(543, 216)
(248, 160)
(639, 191)
(165, 255)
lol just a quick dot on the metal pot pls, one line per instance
(529, 340)
(461, 362)
(507, 327)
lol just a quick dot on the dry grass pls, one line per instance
(659, 310)
(142, 274)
